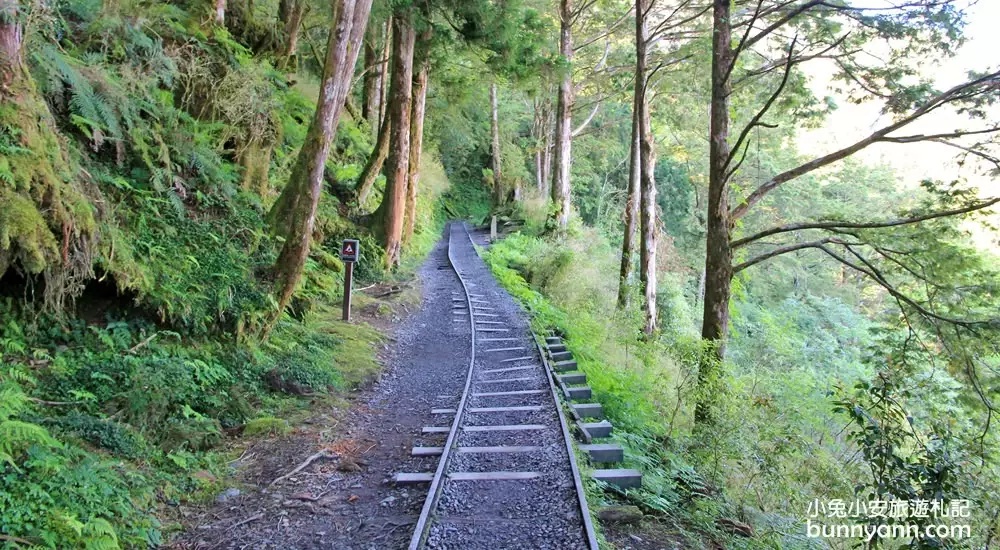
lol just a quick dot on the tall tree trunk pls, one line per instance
(498, 191)
(417, 130)
(370, 89)
(220, 12)
(374, 163)
(294, 12)
(547, 153)
(564, 120)
(647, 164)
(631, 208)
(293, 216)
(11, 42)
(383, 90)
(390, 212)
(718, 253)
(538, 133)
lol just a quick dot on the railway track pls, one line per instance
(506, 476)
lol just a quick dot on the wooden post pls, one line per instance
(348, 282)
(350, 252)
(493, 228)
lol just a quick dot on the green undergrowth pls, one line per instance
(136, 174)
(647, 389)
(638, 383)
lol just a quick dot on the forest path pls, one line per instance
(344, 499)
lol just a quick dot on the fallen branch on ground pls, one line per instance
(389, 292)
(321, 454)
(254, 517)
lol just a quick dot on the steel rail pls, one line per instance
(422, 528)
(430, 503)
(588, 524)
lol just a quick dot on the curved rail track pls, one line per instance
(507, 476)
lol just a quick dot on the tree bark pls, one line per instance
(631, 208)
(538, 132)
(390, 212)
(375, 161)
(293, 216)
(220, 12)
(383, 89)
(647, 181)
(417, 133)
(294, 12)
(370, 87)
(498, 190)
(564, 120)
(11, 42)
(718, 251)
(542, 130)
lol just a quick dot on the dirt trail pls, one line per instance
(343, 499)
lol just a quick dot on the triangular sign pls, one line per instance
(348, 249)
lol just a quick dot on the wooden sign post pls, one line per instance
(349, 253)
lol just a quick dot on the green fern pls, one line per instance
(100, 535)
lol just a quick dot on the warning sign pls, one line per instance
(350, 250)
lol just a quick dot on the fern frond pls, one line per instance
(12, 402)
(16, 436)
(99, 534)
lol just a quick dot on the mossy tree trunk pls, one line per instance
(389, 215)
(564, 121)
(373, 166)
(220, 12)
(256, 162)
(647, 163)
(718, 252)
(383, 88)
(631, 209)
(291, 13)
(294, 214)
(11, 42)
(370, 91)
(495, 160)
(420, 80)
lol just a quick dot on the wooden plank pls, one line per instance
(502, 393)
(426, 451)
(501, 449)
(575, 378)
(505, 428)
(505, 380)
(622, 478)
(508, 369)
(598, 429)
(604, 452)
(436, 429)
(412, 478)
(492, 476)
(589, 410)
(505, 409)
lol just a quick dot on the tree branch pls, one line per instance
(604, 34)
(863, 225)
(782, 250)
(875, 276)
(763, 110)
(990, 80)
(580, 128)
(668, 24)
